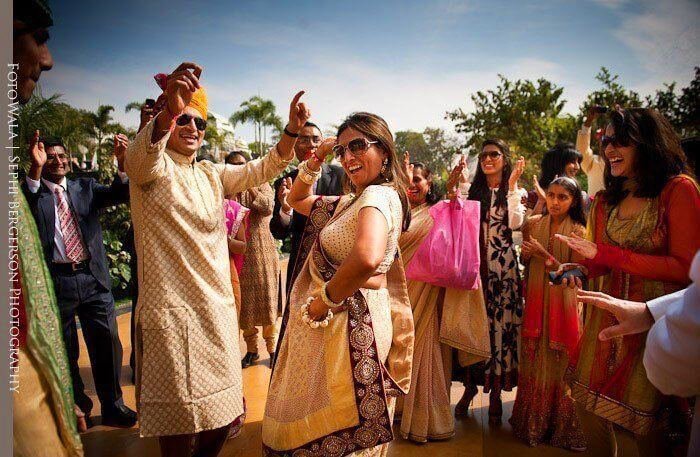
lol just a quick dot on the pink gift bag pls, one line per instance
(449, 255)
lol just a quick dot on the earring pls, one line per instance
(385, 169)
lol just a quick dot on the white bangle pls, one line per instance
(305, 318)
(326, 299)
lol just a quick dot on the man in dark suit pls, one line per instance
(67, 217)
(285, 222)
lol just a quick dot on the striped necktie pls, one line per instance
(75, 249)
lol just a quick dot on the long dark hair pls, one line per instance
(376, 129)
(433, 196)
(576, 212)
(658, 157)
(555, 160)
(480, 190)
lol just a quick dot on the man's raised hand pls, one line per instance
(182, 84)
(299, 114)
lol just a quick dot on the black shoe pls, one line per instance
(249, 358)
(122, 416)
(272, 359)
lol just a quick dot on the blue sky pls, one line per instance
(408, 61)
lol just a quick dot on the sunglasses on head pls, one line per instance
(493, 155)
(185, 119)
(612, 139)
(357, 147)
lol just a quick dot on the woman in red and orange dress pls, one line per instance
(642, 234)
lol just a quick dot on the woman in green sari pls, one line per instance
(44, 418)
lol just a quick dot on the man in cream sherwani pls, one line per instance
(188, 367)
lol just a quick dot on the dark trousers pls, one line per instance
(80, 293)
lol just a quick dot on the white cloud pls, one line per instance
(612, 4)
(409, 100)
(89, 88)
(665, 39)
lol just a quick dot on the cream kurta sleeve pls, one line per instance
(237, 178)
(591, 164)
(672, 354)
(145, 161)
(516, 208)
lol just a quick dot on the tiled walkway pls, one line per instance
(473, 436)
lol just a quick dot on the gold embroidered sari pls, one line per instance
(331, 388)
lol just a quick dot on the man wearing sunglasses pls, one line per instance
(67, 214)
(188, 370)
(285, 222)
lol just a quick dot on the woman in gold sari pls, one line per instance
(347, 348)
(445, 319)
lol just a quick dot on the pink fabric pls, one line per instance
(449, 255)
(75, 249)
(235, 216)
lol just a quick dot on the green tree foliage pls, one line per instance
(682, 110)
(53, 118)
(527, 115)
(610, 94)
(433, 146)
(262, 114)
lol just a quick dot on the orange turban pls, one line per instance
(199, 102)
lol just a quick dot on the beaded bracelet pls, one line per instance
(305, 318)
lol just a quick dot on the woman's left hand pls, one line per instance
(585, 248)
(516, 173)
(535, 248)
(317, 309)
(455, 178)
(407, 165)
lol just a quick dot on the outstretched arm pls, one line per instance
(236, 179)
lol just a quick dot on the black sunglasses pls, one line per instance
(493, 155)
(612, 139)
(357, 147)
(185, 119)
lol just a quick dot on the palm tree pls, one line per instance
(53, 118)
(136, 106)
(100, 124)
(261, 113)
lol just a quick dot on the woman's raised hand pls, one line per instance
(325, 149)
(456, 176)
(407, 165)
(516, 173)
(299, 114)
(538, 189)
(181, 85)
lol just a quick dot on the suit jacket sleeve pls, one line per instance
(104, 196)
(279, 230)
